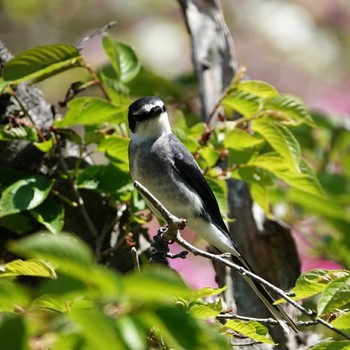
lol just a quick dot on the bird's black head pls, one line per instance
(144, 109)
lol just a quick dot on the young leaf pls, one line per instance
(50, 213)
(206, 292)
(41, 62)
(24, 194)
(257, 88)
(17, 133)
(90, 111)
(64, 250)
(281, 139)
(203, 312)
(251, 329)
(342, 322)
(242, 102)
(291, 108)
(260, 195)
(122, 59)
(31, 267)
(315, 281)
(332, 345)
(219, 188)
(116, 149)
(97, 329)
(12, 294)
(141, 287)
(209, 155)
(239, 139)
(45, 146)
(335, 296)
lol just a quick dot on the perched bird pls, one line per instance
(161, 163)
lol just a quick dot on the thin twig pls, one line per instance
(135, 259)
(95, 33)
(174, 235)
(79, 199)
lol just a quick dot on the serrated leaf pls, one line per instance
(303, 179)
(66, 251)
(242, 102)
(332, 345)
(250, 329)
(257, 88)
(206, 292)
(314, 282)
(90, 111)
(281, 140)
(342, 322)
(25, 194)
(335, 296)
(17, 133)
(122, 59)
(239, 139)
(291, 107)
(51, 214)
(49, 302)
(141, 286)
(31, 267)
(116, 149)
(41, 62)
(203, 312)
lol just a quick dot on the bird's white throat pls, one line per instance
(152, 128)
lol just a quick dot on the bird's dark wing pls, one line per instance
(190, 172)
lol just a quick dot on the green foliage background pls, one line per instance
(284, 154)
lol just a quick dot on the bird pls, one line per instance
(160, 162)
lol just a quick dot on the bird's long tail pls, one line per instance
(266, 297)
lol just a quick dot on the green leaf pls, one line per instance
(281, 139)
(242, 102)
(97, 329)
(31, 267)
(203, 312)
(257, 88)
(22, 132)
(50, 213)
(141, 286)
(304, 179)
(122, 59)
(11, 296)
(181, 331)
(53, 303)
(17, 223)
(68, 252)
(251, 329)
(102, 178)
(117, 91)
(3, 85)
(116, 149)
(90, 111)
(332, 345)
(290, 108)
(239, 139)
(24, 194)
(335, 296)
(41, 62)
(209, 155)
(206, 292)
(342, 322)
(314, 282)
(319, 205)
(219, 188)
(13, 333)
(260, 195)
(45, 146)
